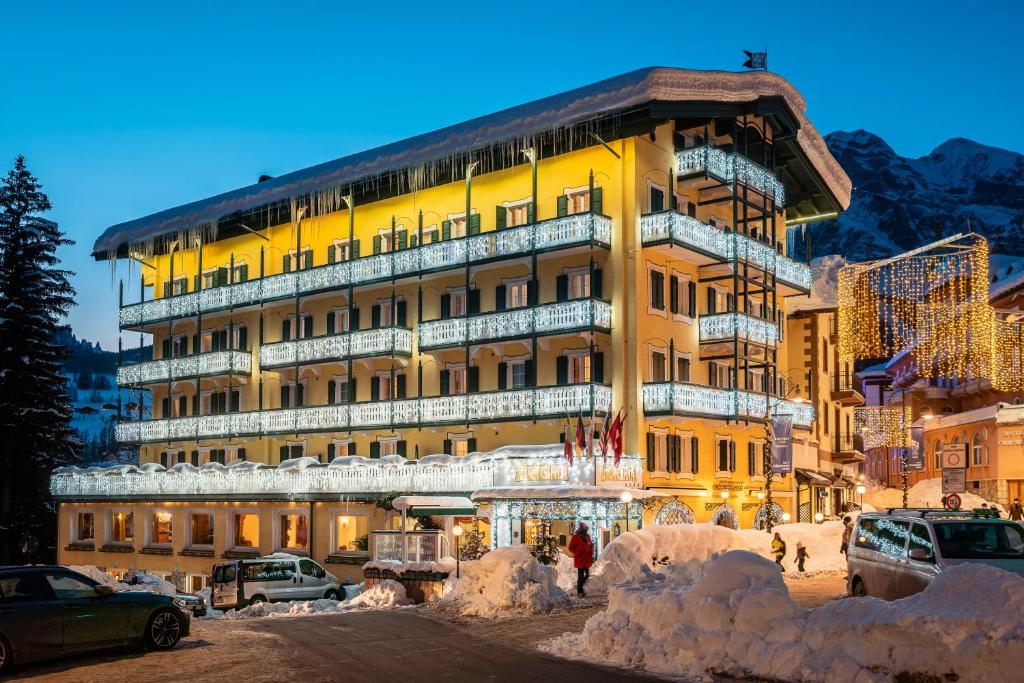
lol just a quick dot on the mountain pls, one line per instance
(900, 203)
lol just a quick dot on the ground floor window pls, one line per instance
(350, 533)
(246, 530)
(293, 531)
(197, 582)
(122, 527)
(201, 528)
(85, 529)
(161, 529)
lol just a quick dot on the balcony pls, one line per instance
(386, 341)
(716, 245)
(695, 400)
(729, 167)
(185, 367)
(724, 327)
(486, 407)
(548, 319)
(844, 390)
(565, 232)
(848, 449)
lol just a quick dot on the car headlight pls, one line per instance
(181, 604)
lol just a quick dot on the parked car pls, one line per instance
(48, 612)
(897, 553)
(195, 604)
(271, 579)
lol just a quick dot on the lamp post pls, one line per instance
(626, 498)
(860, 494)
(457, 532)
(819, 517)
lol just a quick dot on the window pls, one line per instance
(656, 280)
(457, 305)
(122, 527)
(197, 582)
(517, 213)
(179, 346)
(719, 375)
(311, 568)
(209, 278)
(67, 587)
(578, 201)
(517, 293)
(26, 588)
(337, 390)
(180, 285)
(85, 530)
(240, 273)
(656, 197)
(458, 224)
(460, 444)
(755, 458)
(682, 368)
(680, 301)
(388, 445)
(349, 530)
(980, 540)
(160, 529)
(978, 449)
(725, 457)
(338, 250)
(456, 379)
(201, 528)
(579, 367)
(658, 460)
(517, 378)
(269, 571)
(920, 539)
(246, 532)
(579, 283)
(882, 535)
(657, 368)
(384, 386)
(293, 531)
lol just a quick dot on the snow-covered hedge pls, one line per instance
(505, 580)
(733, 615)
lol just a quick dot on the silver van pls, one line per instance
(897, 553)
(271, 579)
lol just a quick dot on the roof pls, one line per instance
(569, 491)
(416, 162)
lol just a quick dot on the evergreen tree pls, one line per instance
(473, 545)
(35, 413)
(545, 545)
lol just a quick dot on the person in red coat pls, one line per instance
(582, 549)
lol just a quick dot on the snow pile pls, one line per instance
(925, 493)
(146, 582)
(733, 615)
(626, 557)
(387, 593)
(445, 564)
(505, 580)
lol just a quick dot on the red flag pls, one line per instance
(581, 441)
(617, 438)
(567, 447)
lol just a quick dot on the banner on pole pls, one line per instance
(915, 454)
(782, 444)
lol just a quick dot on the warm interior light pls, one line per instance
(457, 530)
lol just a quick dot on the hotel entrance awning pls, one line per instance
(430, 506)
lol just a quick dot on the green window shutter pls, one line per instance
(221, 279)
(167, 289)
(561, 370)
(376, 244)
(355, 249)
(332, 253)
(287, 263)
(597, 201)
(650, 452)
(474, 224)
(433, 236)
(403, 239)
(413, 241)
(195, 283)
(694, 455)
(563, 205)
(597, 371)
(500, 218)
(531, 215)
(307, 258)
(243, 273)
(446, 230)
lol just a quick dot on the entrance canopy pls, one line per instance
(813, 478)
(428, 506)
(561, 493)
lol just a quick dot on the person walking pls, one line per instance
(847, 533)
(582, 549)
(801, 556)
(779, 550)
(1016, 511)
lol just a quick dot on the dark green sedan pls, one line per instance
(48, 612)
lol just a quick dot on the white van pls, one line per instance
(275, 578)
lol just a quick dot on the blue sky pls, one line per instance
(126, 109)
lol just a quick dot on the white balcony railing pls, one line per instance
(729, 167)
(723, 327)
(384, 341)
(730, 404)
(691, 233)
(565, 231)
(198, 365)
(542, 402)
(519, 322)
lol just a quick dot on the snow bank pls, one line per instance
(384, 595)
(505, 580)
(925, 493)
(445, 564)
(733, 615)
(147, 582)
(625, 557)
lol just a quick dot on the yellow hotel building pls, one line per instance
(422, 318)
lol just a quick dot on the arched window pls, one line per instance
(978, 448)
(938, 454)
(674, 512)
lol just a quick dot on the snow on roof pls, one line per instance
(409, 502)
(1007, 274)
(560, 492)
(515, 125)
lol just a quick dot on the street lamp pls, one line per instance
(819, 517)
(860, 492)
(785, 517)
(457, 533)
(626, 497)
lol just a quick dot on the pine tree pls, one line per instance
(545, 545)
(35, 412)
(473, 545)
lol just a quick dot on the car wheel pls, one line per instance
(332, 594)
(163, 630)
(257, 600)
(858, 589)
(5, 655)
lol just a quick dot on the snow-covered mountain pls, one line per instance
(900, 203)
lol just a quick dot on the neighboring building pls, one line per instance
(387, 315)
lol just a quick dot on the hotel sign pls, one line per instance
(628, 472)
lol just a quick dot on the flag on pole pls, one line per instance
(615, 436)
(567, 446)
(581, 442)
(756, 60)
(603, 442)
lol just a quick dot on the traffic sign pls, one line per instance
(954, 455)
(954, 481)
(953, 502)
